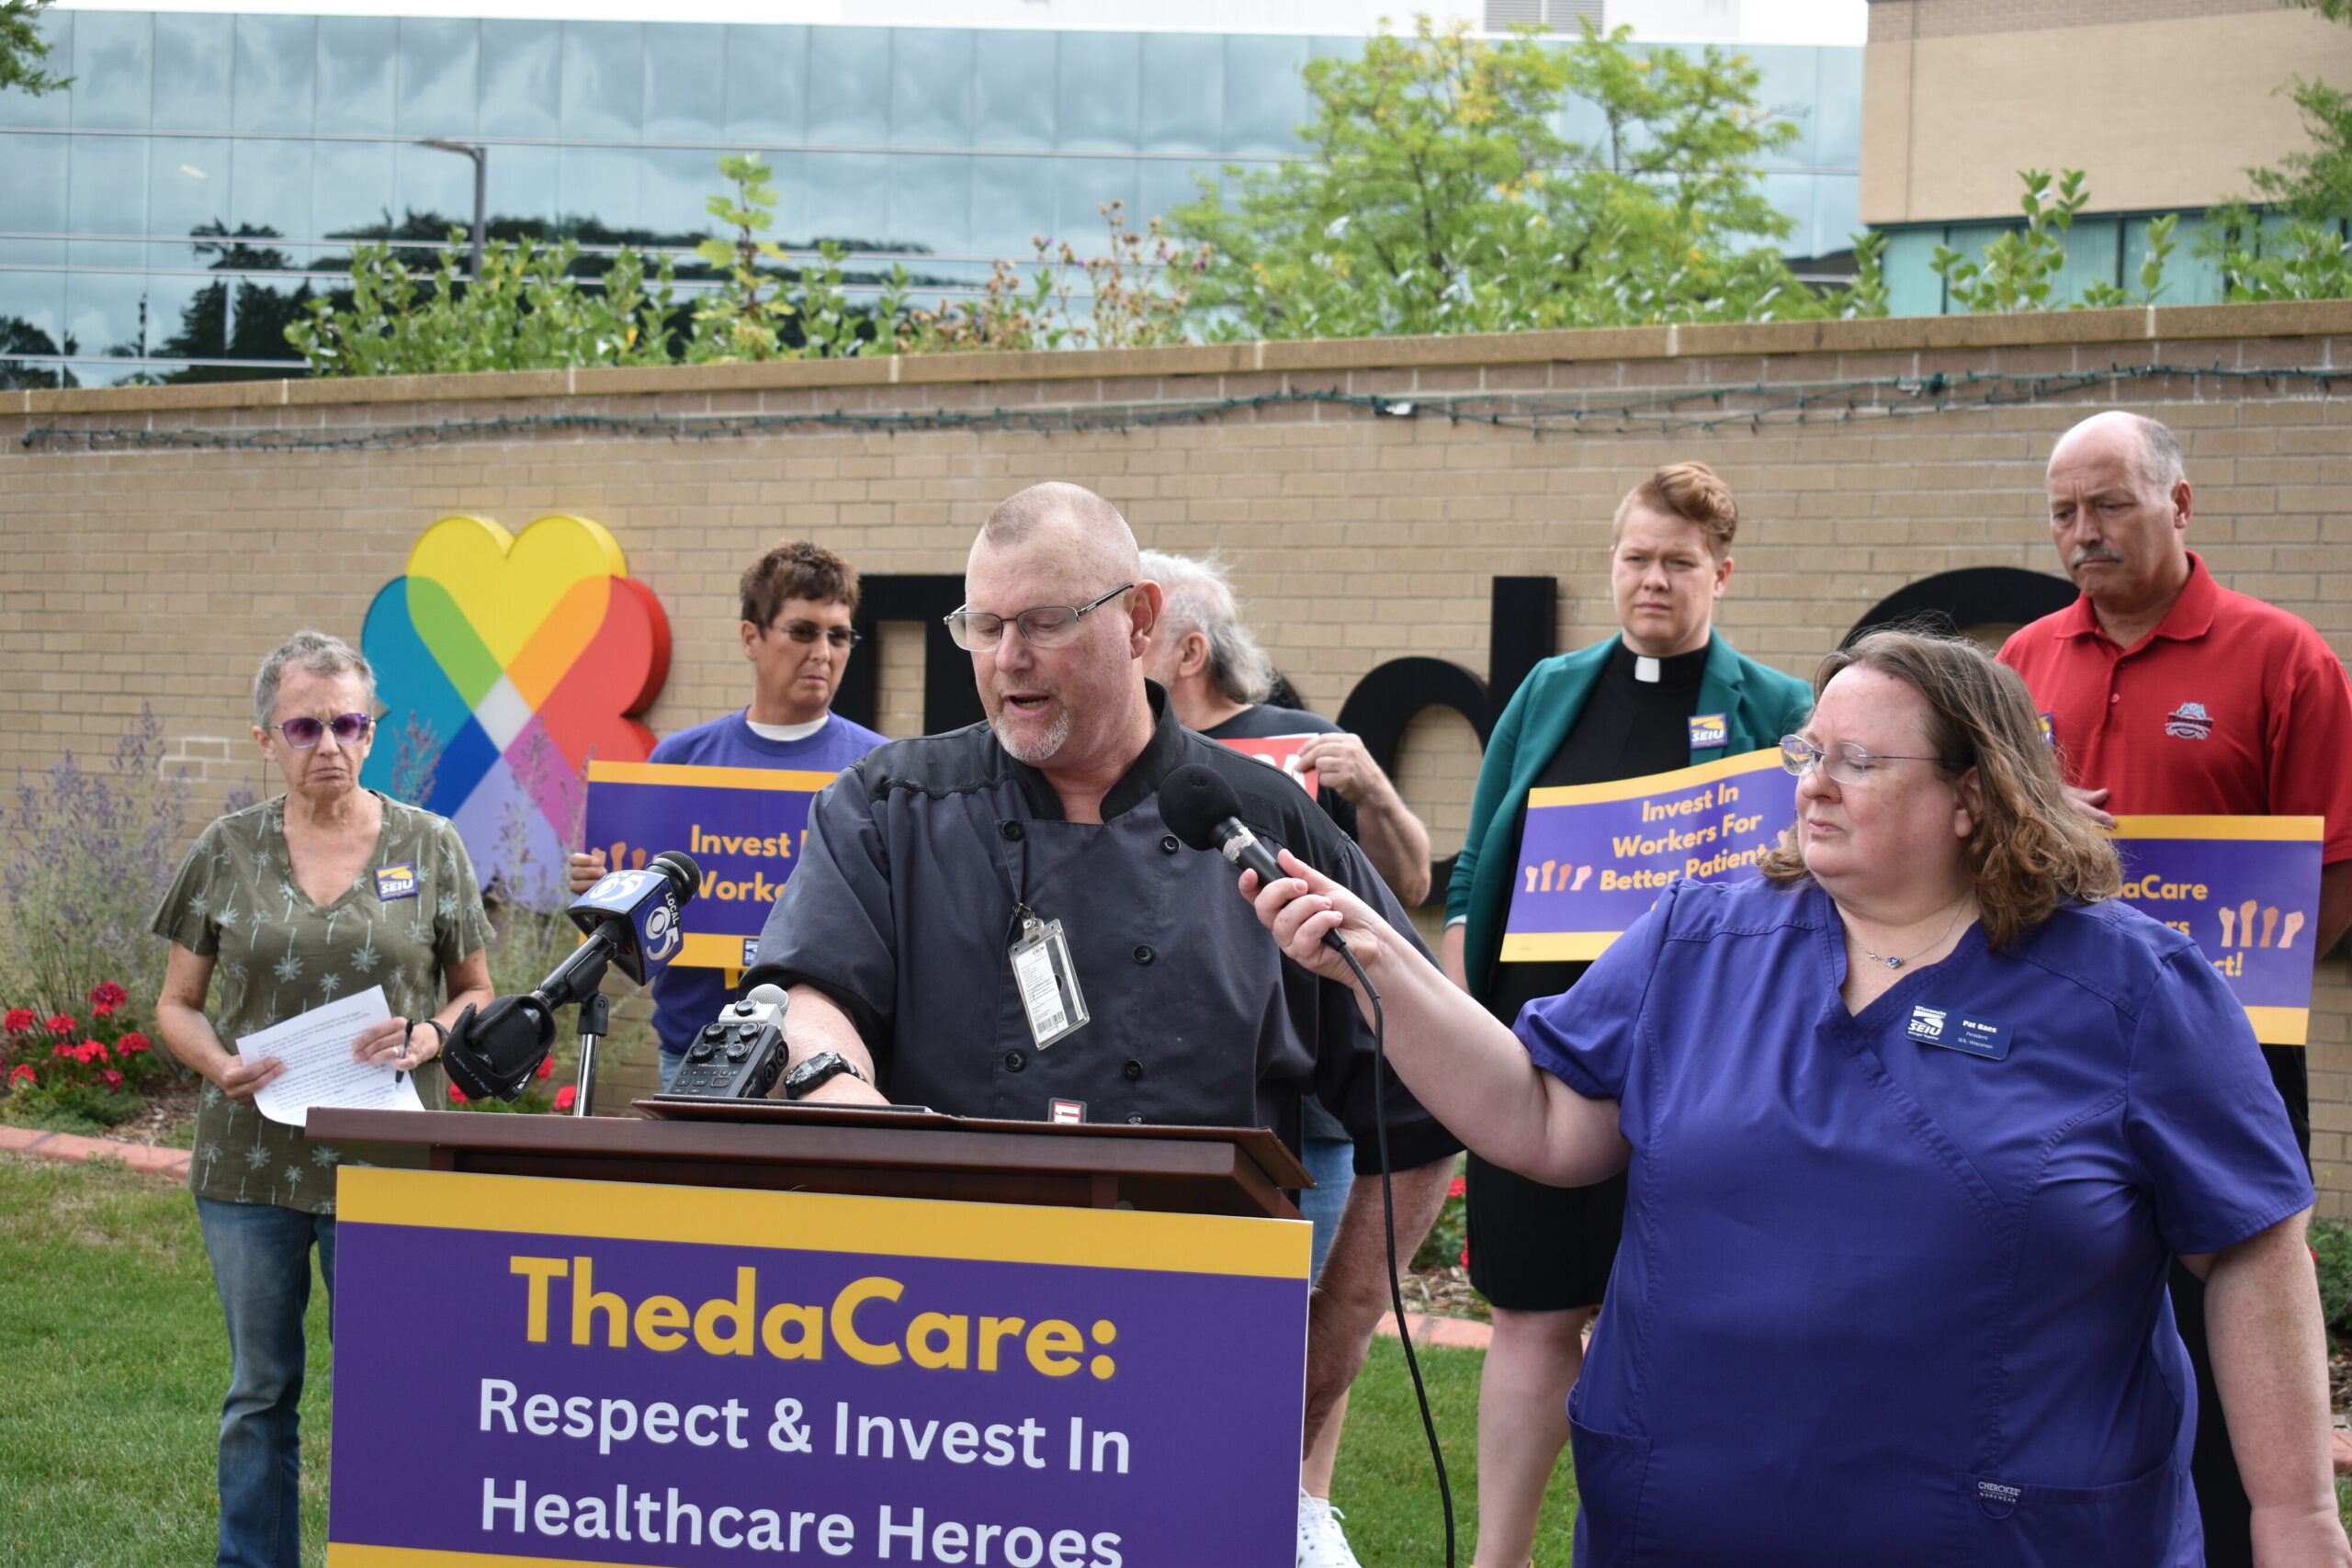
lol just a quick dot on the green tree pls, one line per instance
(22, 49)
(1440, 195)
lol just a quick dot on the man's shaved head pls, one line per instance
(1073, 517)
(1075, 708)
(2159, 463)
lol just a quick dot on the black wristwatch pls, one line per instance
(820, 1069)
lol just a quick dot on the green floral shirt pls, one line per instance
(277, 954)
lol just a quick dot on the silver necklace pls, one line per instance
(1899, 962)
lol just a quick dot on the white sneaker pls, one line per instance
(1321, 1543)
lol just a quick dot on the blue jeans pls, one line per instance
(671, 1062)
(1331, 1162)
(261, 1265)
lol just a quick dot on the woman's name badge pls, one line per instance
(1049, 992)
(395, 882)
(1955, 1031)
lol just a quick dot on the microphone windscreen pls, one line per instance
(1193, 799)
(681, 871)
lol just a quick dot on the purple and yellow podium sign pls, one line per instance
(533, 1371)
(1593, 858)
(2246, 889)
(742, 826)
(504, 662)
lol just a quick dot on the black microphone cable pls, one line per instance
(1203, 810)
(1388, 1219)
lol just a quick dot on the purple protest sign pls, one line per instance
(2246, 888)
(530, 1370)
(1593, 857)
(742, 825)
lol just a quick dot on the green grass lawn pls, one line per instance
(116, 1362)
(1383, 1484)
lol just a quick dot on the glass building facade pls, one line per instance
(164, 216)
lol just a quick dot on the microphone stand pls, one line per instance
(595, 1016)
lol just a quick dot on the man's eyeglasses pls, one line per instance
(1845, 763)
(1046, 625)
(303, 732)
(809, 631)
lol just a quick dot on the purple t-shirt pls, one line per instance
(685, 999)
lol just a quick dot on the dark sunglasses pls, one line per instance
(304, 733)
(808, 631)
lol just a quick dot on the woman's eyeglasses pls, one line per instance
(1046, 625)
(1845, 762)
(839, 638)
(304, 733)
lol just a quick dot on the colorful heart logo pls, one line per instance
(504, 662)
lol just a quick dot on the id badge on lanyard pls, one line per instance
(1041, 967)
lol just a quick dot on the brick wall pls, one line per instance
(1898, 19)
(1958, 95)
(132, 574)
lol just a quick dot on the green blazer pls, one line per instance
(1759, 705)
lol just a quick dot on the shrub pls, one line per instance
(89, 855)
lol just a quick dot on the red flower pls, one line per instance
(108, 994)
(102, 1010)
(111, 1078)
(59, 1024)
(545, 1068)
(131, 1045)
(565, 1096)
(457, 1095)
(23, 1072)
(63, 1049)
(1460, 1186)
(20, 1021)
(91, 1051)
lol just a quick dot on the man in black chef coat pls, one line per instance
(940, 872)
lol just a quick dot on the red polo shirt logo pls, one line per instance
(2188, 722)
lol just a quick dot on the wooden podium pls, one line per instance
(881, 1153)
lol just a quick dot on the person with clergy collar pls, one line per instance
(1666, 692)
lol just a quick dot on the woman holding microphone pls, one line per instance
(1913, 1124)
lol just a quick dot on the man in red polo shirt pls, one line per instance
(2167, 694)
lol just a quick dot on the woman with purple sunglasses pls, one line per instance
(319, 893)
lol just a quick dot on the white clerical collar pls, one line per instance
(1645, 668)
(803, 731)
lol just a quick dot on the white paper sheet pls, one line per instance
(316, 1048)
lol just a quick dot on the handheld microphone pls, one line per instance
(631, 920)
(1202, 810)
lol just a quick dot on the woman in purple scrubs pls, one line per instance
(1914, 1125)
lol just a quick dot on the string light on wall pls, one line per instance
(1698, 410)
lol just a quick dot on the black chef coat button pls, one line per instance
(1168, 844)
(1010, 829)
(1014, 1061)
(1133, 1069)
(1145, 955)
